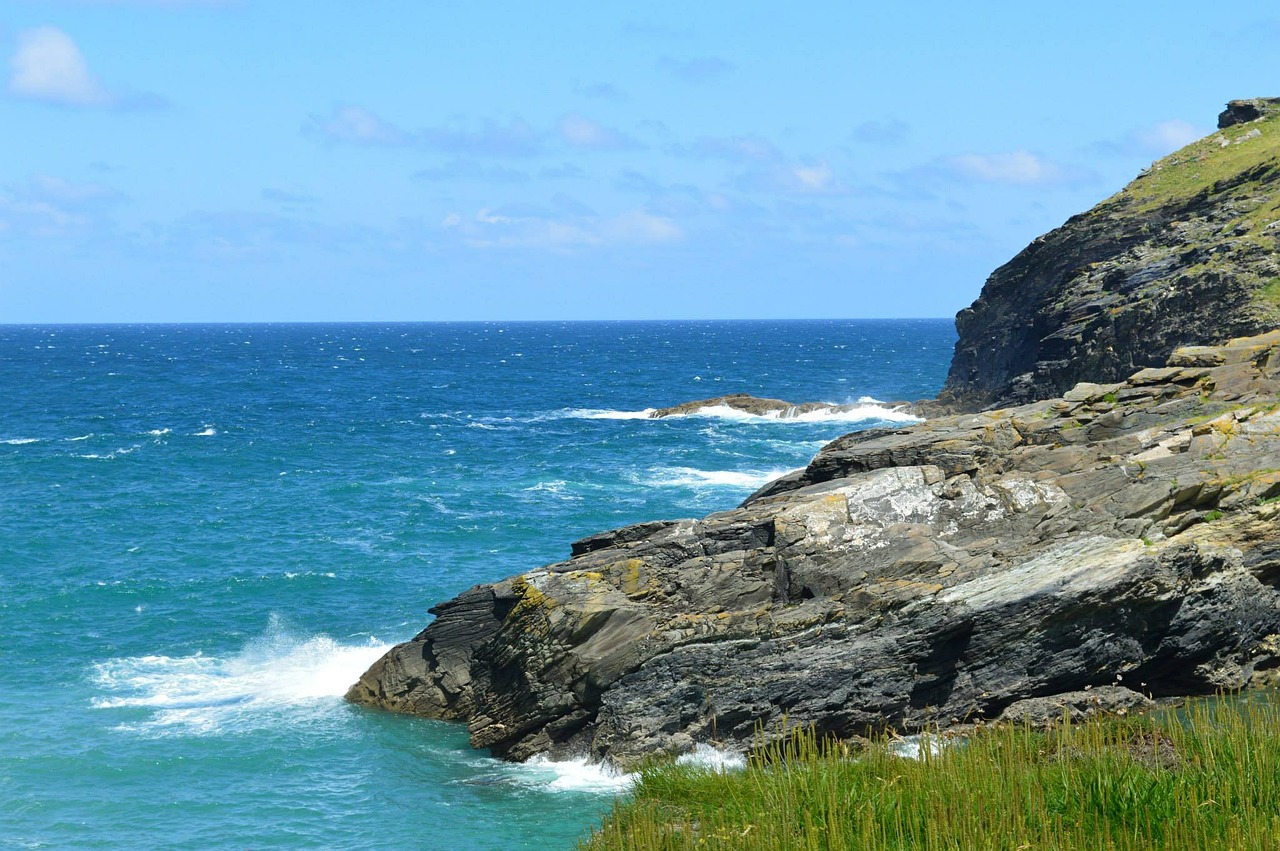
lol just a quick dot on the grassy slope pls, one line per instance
(1208, 779)
(1239, 160)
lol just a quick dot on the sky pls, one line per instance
(272, 160)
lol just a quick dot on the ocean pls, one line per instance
(208, 532)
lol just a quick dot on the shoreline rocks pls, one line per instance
(756, 406)
(1125, 533)
(1185, 254)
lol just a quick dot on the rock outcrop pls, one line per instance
(1185, 254)
(1125, 534)
(754, 405)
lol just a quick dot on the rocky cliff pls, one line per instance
(1184, 254)
(1126, 533)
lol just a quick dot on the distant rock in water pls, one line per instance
(1126, 534)
(1185, 254)
(756, 406)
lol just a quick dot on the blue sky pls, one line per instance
(270, 160)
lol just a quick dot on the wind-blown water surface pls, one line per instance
(208, 532)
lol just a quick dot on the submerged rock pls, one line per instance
(1125, 533)
(754, 405)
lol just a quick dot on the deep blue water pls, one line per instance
(208, 532)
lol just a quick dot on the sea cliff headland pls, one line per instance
(1093, 502)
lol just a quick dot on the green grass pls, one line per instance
(1270, 291)
(1206, 778)
(1204, 163)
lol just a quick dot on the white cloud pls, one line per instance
(1019, 168)
(357, 125)
(729, 148)
(47, 206)
(527, 227)
(1167, 136)
(581, 132)
(804, 178)
(48, 66)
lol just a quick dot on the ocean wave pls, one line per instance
(690, 477)
(108, 456)
(602, 414)
(570, 775)
(582, 775)
(274, 676)
(209, 431)
(159, 432)
(20, 441)
(78, 439)
(865, 410)
(713, 759)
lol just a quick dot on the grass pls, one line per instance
(1206, 778)
(1201, 165)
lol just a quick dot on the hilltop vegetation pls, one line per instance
(1185, 254)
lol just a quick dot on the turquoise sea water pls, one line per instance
(208, 532)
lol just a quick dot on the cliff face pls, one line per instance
(1185, 254)
(1125, 533)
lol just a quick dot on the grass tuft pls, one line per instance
(1207, 777)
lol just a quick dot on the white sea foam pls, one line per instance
(108, 456)
(914, 747)
(866, 409)
(209, 431)
(277, 675)
(78, 439)
(20, 441)
(689, 477)
(713, 759)
(159, 432)
(571, 775)
(603, 414)
(555, 486)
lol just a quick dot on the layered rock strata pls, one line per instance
(1124, 534)
(1187, 253)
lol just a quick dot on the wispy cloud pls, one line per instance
(356, 125)
(696, 69)
(1013, 168)
(1155, 140)
(515, 138)
(805, 178)
(570, 227)
(564, 171)
(888, 132)
(289, 197)
(578, 131)
(48, 206)
(48, 66)
(603, 91)
(735, 149)
(461, 169)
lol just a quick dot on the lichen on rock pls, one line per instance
(907, 578)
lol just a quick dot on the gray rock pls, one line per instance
(1176, 258)
(1043, 712)
(906, 579)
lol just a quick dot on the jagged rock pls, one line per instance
(1244, 111)
(1043, 712)
(749, 404)
(906, 578)
(1186, 254)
